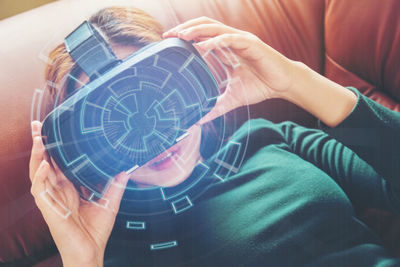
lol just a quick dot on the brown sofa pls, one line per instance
(351, 42)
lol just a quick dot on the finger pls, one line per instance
(44, 179)
(52, 204)
(38, 181)
(226, 47)
(223, 57)
(200, 39)
(205, 31)
(37, 155)
(36, 127)
(53, 177)
(116, 190)
(233, 41)
(59, 174)
(190, 23)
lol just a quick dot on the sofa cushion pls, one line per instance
(363, 37)
(292, 27)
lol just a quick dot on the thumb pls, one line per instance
(115, 191)
(222, 106)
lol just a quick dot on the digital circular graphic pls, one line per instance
(135, 115)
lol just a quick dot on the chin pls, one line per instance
(173, 182)
(168, 177)
(167, 181)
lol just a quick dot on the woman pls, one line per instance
(290, 204)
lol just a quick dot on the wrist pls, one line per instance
(96, 263)
(294, 73)
(91, 261)
(298, 75)
(325, 99)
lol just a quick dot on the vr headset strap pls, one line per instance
(89, 50)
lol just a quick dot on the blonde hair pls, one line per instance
(119, 25)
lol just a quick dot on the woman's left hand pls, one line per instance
(255, 70)
(264, 72)
(79, 228)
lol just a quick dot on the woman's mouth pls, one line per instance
(165, 160)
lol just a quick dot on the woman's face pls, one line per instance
(175, 164)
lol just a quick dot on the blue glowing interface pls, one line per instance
(130, 114)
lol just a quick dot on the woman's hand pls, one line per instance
(263, 73)
(79, 228)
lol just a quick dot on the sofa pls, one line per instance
(352, 42)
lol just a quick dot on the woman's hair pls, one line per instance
(119, 26)
(126, 26)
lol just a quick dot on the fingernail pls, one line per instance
(168, 33)
(183, 32)
(35, 127)
(36, 139)
(42, 164)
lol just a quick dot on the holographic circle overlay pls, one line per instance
(136, 115)
(121, 124)
(164, 200)
(141, 210)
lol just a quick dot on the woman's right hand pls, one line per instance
(79, 228)
(263, 72)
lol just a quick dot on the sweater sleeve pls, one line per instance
(364, 187)
(373, 133)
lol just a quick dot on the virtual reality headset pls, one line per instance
(131, 111)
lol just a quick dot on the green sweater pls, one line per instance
(290, 204)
